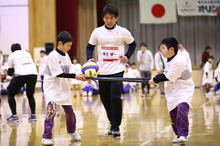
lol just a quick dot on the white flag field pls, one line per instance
(157, 11)
(198, 7)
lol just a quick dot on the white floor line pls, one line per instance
(163, 131)
(207, 102)
(168, 128)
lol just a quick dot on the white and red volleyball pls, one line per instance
(90, 69)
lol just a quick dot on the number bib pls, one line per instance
(109, 54)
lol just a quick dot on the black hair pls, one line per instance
(212, 57)
(207, 47)
(217, 63)
(15, 47)
(143, 44)
(75, 58)
(180, 43)
(170, 42)
(42, 51)
(111, 9)
(64, 37)
(133, 63)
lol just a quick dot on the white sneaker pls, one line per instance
(176, 140)
(85, 93)
(46, 141)
(76, 136)
(182, 139)
(90, 93)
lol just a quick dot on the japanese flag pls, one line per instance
(157, 11)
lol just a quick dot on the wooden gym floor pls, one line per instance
(145, 122)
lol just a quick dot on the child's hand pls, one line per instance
(80, 77)
(152, 82)
(124, 59)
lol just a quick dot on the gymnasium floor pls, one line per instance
(145, 122)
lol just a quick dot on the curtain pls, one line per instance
(100, 5)
(87, 22)
(195, 32)
(66, 13)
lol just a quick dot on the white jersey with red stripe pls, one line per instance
(22, 61)
(111, 45)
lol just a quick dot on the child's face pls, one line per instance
(133, 66)
(181, 47)
(109, 20)
(167, 53)
(64, 48)
(41, 54)
(143, 48)
(5, 72)
(75, 61)
(210, 60)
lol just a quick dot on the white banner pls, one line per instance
(157, 11)
(198, 7)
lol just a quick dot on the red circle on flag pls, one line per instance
(158, 10)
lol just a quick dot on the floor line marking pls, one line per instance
(167, 128)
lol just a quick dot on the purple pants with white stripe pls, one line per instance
(49, 121)
(179, 119)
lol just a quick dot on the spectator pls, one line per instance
(208, 76)
(90, 88)
(217, 79)
(205, 55)
(21, 63)
(75, 68)
(185, 55)
(42, 62)
(146, 62)
(160, 61)
(5, 82)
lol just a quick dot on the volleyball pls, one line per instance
(90, 69)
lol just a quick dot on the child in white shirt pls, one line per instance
(207, 79)
(56, 88)
(179, 88)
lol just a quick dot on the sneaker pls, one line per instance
(176, 140)
(46, 141)
(142, 95)
(182, 139)
(148, 94)
(110, 132)
(76, 136)
(13, 118)
(84, 93)
(116, 133)
(32, 118)
(90, 93)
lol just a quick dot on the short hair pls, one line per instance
(64, 37)
(111, 9)
(217, 63)
(170, 42)
(133, 63)
(42, 51)
(211, 57)
(75, 58)
(143, 44)
(15, 47)
(207, 47)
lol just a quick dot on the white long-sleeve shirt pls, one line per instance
(185, 56)
(145, 60)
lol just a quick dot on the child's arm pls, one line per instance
(74, 76)
(158, 78)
